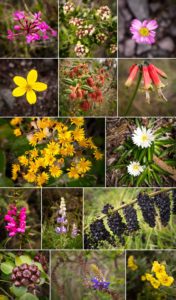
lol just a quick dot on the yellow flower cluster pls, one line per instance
(57, 148)
(131, 263)
(160, 276)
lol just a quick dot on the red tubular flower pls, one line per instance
(85, 105)
(146, 77)
(154, 76)
(160, 72)
(133, 72)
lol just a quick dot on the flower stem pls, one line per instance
(134, 94)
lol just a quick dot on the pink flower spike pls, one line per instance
(143, 32)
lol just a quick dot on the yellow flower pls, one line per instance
(98, 155)
(16, 121)
(77, 121)
(23, 160)
(155, 283)
(73, 173)
(131, 263)
(15, 170)
(30, 176)
(143, 278)
(28, 86)
(157, 267)
(17, 132)
(55, 171)
(165, 280)
(148, 276)
(78, 134)
(53, 148)
(84, 165)
(42, 178)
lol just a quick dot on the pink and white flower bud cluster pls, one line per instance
(84, 31)
(16, 221)
(76, 22)
(104, 13)
(68, 7)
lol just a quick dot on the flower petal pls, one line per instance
(20, 81)
(31, 97)
(32, 77)
(152, 25)
(18, 92)
(39, 86)
(136, 24)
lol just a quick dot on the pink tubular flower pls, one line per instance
(19, 15)
(16, 222)
(144, 32)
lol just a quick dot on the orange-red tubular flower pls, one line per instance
(147, 82)
(133, 72)
(155, 77)
(154, 74)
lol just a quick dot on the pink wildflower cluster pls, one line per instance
(16, 221)
(31, 26)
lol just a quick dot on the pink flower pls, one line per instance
(19, 15)
(16, 222)
(10, 35)
(143, 32)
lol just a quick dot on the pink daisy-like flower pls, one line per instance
(143, 32)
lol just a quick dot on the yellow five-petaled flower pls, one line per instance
(28, 86)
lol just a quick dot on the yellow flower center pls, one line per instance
(144, 138)
(135, 167)
(144, 31)
(28, 88)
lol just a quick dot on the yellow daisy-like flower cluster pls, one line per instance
(131, 263)
(57, 148)
(158, 276)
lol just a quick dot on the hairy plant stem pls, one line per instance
(131, 203)
(134, 94)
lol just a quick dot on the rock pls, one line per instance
(139, 8)
(121, 3)
(129, 48)
(6, 96)
(172, 30)
(126, 14)
(143, 48)
(167, 44)
(121, 28)
(121, 50)
(155, 6)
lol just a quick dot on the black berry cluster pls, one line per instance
(148, 209)
(174, 201)
(99, 232)
(117, 226)
(89, 242)
(131, 218)
(162, 201)
(26, 275)
(43, 260)
(106, 208)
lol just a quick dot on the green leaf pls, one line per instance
(142, 177)
(67, 91)
(7, 267)
(87, 88)
(150, 153)
(68, 81)
(2, 162)
(23, 259)
(5, 182)
(28, 296)
(18, 291)
(159, 170)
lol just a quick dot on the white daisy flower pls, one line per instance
(134, 168)
(143, 137)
